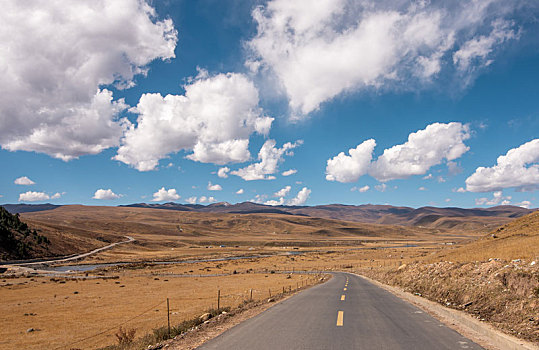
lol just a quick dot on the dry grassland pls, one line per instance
(68, 310)
(63, 311)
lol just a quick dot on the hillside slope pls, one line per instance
(518, 239)
(17, 240)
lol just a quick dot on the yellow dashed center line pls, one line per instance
(343, 297)
(345, 289)
(340, 318)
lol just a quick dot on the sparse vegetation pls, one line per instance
(125, 336)
(17, 240)
(496, 279)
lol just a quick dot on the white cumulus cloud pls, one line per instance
(214, 120)
(32, 196)
(23, 181)
(214, 187)
(497, 197)
(320, 49)
(191, 200)
(301, 197)
(349, 168)
(274, 202)
(289, 172)
(106, 194)
(240, 191)
(223, 172)
(518, 168)
(423, 150)
(204, 199)
(58, 57)
(283, 192)
(165, 195)
(269, 158)
(364, 189)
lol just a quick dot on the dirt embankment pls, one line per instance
(505, 294)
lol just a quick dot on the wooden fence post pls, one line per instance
(168, 318)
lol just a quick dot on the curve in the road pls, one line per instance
(76, 257)
(347, 312)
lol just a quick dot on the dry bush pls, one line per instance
(125, 336)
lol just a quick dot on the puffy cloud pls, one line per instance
(204, 199)
(106, 194)
(318, 50)
(57, 195)
(56, 59)
(524, 204)
(214, 120)
(191, 200)
(497, 197)
(165, 195)
(422, 188)
(518, 168)
(270, 157)
(364, 189)
(349, 168)
(474, 52)
(301, 197)
(427, 177)
(32, 196)
(215, 187)
(361, 189)
(259, 198)
(424, 149)
(283, 192)
(23, 181)
(459, 190)
(240, 191)
(223, 172)
(274, 202)
(289, 172)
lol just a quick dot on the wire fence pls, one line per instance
(222, 300)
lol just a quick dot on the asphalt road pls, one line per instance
(347, 312)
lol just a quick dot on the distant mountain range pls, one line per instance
(444, 218)
(440, 218)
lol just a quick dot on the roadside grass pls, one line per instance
(126, 342)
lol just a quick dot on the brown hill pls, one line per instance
(17, 240)
(518, 239)
(453, 219)
(75, 228)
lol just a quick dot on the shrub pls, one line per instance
(125, 336)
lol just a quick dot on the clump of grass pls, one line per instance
(126, 340)
(125, 336)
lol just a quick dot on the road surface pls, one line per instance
(70, 258)
(347, 312)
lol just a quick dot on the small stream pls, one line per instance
(89, 267)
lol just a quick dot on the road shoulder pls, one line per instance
(481, 333)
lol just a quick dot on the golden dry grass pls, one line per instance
(63, 313)
(516, 240)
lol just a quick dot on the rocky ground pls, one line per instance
(504, 294)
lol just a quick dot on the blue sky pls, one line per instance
(428, 95)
